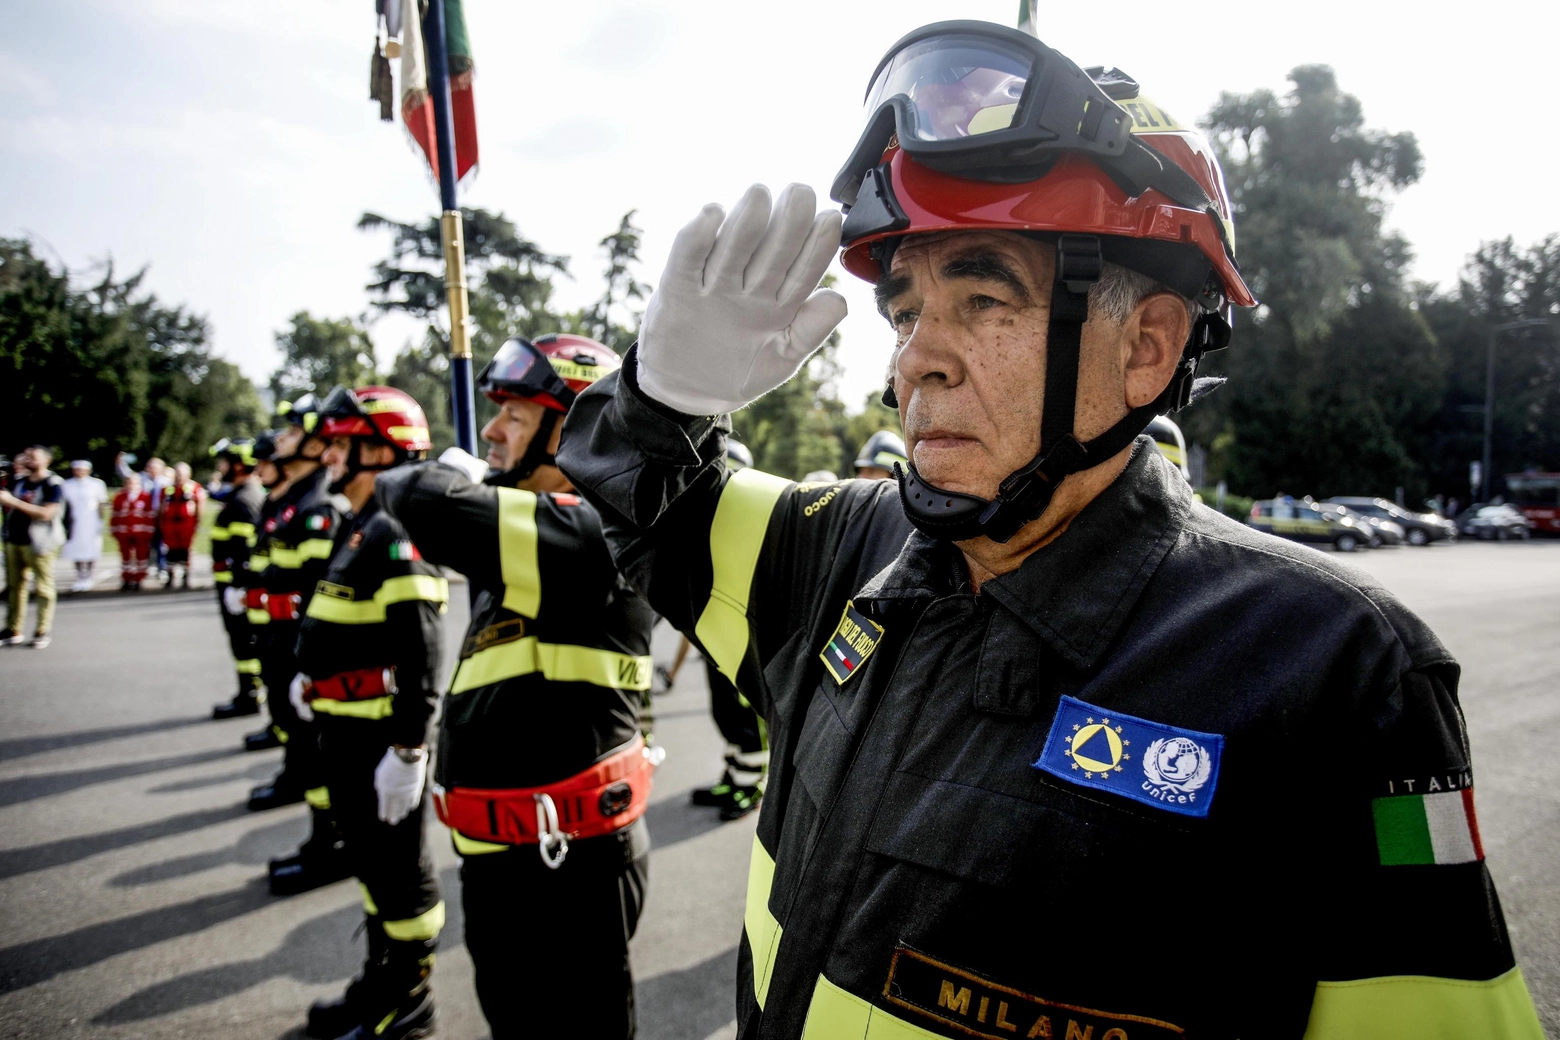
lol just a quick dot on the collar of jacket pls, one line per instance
(1077, 591)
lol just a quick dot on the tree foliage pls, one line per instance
(321, 353)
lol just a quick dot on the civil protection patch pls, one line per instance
(1163, 766)
(852, 643)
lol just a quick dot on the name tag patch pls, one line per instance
(851, 644)
(1163, 766)
(978, 1007)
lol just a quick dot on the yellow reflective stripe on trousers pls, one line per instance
(517, 558)
(368, 901)
(401, 589)
(736, 536)
(558, 662)
(222, 577)
(763, 931)
(425, 925)
(290, 558)
(472, 847)
(317, 797)
(834, 1014)
(249, 667)
(373, 708)
(1419, 1007)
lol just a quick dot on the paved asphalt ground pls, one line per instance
(131, 900)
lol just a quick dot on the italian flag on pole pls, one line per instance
(1416, 829)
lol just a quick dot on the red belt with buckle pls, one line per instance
(254, 599)
(360, 685)
(283, 606)
(603, 799)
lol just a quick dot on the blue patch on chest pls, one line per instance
(1163, 766)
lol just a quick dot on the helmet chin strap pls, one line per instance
(1026, 492)
(356, 465)
(536, 453)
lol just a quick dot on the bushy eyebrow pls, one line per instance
(978, 267)
(888, 288)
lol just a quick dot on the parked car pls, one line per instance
(1418, 528)
(1383, 532)
(1493, 523)
(1300, 522)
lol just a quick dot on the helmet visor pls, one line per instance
(954, 86)
(520, 370)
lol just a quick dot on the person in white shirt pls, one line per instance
(85, 497)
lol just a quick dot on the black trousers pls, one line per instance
(550, 947)
(737, 720)
(244, 644)
(278, 665)
(393, 862)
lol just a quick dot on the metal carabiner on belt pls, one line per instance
(552, 842)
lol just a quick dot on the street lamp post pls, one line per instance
(1489, 394)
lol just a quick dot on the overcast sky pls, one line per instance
(231, 145)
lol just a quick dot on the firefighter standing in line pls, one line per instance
(271, 478)
(233, 536)
(542, 773)
(1051, 756)
(879, 455)
(298, 545)
(369, 652)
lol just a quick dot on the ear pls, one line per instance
(555, 438)
(380, 455)
(1156, 335)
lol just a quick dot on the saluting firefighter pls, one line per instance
(369, 652)
(233, 536)
(542, 773)
(1051, 756)
(299, 538)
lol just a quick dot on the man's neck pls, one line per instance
(987, 559)
(359, 491)
(547, 479)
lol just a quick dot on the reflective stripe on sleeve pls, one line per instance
(472, 847)
(736, 536)
(424, 926)
(834, 1014)
(372, 708)
(239, 529)
(555, 661)
(763, 931)
(250, 666)
(291, 558)
(517, 557)
(401, 589)
(219, 533)
(1419, 1007)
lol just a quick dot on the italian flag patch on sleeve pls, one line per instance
(1427, 829)
(404, 550)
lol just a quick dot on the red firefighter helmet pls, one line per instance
(380, 413)
(551, 371)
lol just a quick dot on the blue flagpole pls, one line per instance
(463, 408)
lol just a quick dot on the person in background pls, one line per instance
(820, 476)
(178, 518)
(876, 459)
(34, 532)
(131, 522)
(155, 479)
(85, 497)
(233, 537)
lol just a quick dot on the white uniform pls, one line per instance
(85, 497)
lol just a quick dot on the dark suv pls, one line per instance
(1418, 528)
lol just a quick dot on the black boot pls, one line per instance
(284, 790)
(399, 1004)
(320, 861)
(329, 1019)
(243, 703)
(264, 740)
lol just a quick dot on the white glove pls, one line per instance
(233, 600)
(298, 693)
(474, 468)
(399, 785)
(739, 310)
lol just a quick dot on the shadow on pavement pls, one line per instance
(693, 1002)
(676, 820)
(21, 747)
(313, 953)
(26, 788)
(254, 848)
(264, 768)
(68, 850)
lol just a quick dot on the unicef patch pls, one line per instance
(1163, 766)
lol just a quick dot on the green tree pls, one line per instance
(1336, 369)
(622, 289)
(320, 353)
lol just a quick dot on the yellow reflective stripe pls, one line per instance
(279, 733)
(472, 847)
(259, 561)
(292, 557)
(219, 534)
(384, 1023)
(426, 925)
(372, 708)
(1419, 1007)
(221, 577)
(368, 901)
(318, 797)
(834, 1014)
(556, 661)
(401, 589)
(257, 617)
(1171, 452)
(240, 529)
(517, 557)
(763, 931)
(247, 667)
(736, 536)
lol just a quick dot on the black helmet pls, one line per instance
(737, 454)
(882, 450)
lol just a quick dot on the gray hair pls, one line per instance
(1120, 289)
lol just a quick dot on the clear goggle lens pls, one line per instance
(511, 364)
(957, 86)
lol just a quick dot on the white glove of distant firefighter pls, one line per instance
(474, 468)
(298, 694)
(399, 782)
(739, 310)
(233, 600)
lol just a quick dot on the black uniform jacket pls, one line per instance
(299, 541)
(558, 652)
(378, 606)
(1162, 780)
(235, 531)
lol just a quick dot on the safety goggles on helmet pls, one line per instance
(303, 413)
(550, 371)
(985, 102)
(379, 412)
(343, 416)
